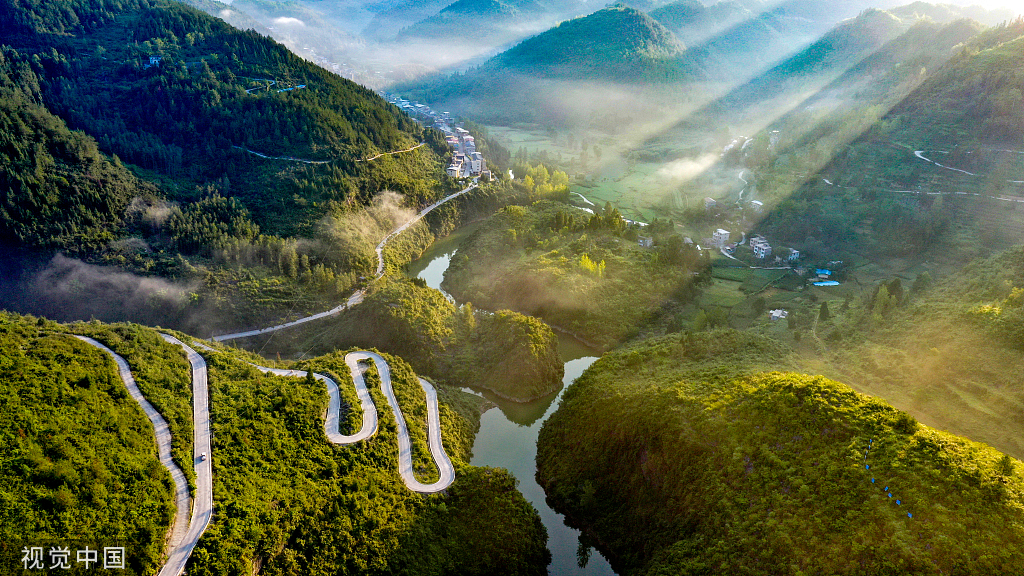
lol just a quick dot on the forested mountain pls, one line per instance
(391, 20)
(615, 43)
(180, 93)
(156, 138)
(693, 22)
(961, 116)
(59, 190)
(479, 21)
(679, 456)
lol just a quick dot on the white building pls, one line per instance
(645, 241)
(762, 249)
(794, 255)
(777, 314)
(757, 206)
(720, 238)
(477, 164)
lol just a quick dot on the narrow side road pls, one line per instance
(372, 158)
(202, 506)
(163, 443)
(357, 297)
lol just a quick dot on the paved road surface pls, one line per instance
(202, 506)
(369, 428)
(358, 296)
(444, 464)
(163, 442)
(331, 423)
(413, 220)
(372, 158)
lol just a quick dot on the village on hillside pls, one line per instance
(466, 160)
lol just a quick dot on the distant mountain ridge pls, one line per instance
(618, 42)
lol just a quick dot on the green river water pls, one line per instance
(508, 433)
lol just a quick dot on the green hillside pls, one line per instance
(78, 461)
(617, 42)
(583, 273)
(960, 115)
(78, 465)
(59, 190)
(678, 456)
(508, 353)
(131, 132)
(693, 22)
(484, 17)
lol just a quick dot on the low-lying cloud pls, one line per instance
(288, 21)
(69, 289)
(687, 168)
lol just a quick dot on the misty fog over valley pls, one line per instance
(454, 287)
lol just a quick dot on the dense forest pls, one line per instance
(79, 463)
(701, 463)
(172, 145)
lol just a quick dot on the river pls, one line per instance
(508, 435)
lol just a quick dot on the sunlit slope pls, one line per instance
(963, 117)
(676, 456)
(490, 21)
(953, 355)
(615, 43)
(285, 498)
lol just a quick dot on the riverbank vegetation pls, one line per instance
(582, 272)
(510, 354)
(701, 462)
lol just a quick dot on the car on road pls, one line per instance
(202, 457)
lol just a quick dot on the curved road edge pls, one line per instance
(357, 297)
(332, 422)
(163, 441)
(446, 471)
(202, 506)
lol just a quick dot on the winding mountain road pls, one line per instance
(370, 422)
(357, 297)
(182, 540)
(202, 506)
(181, 531)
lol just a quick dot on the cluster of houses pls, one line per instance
(759, 245)
(466, 161)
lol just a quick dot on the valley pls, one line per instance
(488, 286)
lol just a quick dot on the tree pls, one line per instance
(823, 312)
(921, 283)
(310, 379)
(758, 305)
